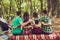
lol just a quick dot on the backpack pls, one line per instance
(4, 26)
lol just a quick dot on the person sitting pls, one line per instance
(28, 28)
(37, 25)
(45, 23)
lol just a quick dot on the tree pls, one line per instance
(58, 9)
(49, 6)
(31, 8)
(0, 8)
(54, 7)
(41, 2)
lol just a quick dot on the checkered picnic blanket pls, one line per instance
(52, 36)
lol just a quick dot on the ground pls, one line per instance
(56, 24)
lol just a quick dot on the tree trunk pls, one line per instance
(31, 8)
(19, 4)
(34, 5)
(0, 8)
(41, 5)
(27, 5)
(48, 3)
(54, 7)
(10, 6)
(58, 9)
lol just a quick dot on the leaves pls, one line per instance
(11, 6)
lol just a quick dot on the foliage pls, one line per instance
(11, 6)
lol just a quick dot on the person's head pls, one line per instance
(44, 12)
(26, 16)
(35, 15)
(18, 13)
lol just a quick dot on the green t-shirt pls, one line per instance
(45, 28)
(15, 22)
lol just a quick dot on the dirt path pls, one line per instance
(56, 24)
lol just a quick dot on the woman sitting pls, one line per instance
(37, 25)
(27, 29)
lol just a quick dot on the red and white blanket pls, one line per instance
(52, 36)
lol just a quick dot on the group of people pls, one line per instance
(34, 25)
(27, 25)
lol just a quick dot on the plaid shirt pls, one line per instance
(47, 29)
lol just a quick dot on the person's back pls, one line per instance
(25, 20)
(36, 20)
(45, 19)
(45, 25)
(28, 28)
(36, 24)
(15, 23)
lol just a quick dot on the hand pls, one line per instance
(30, 20)
(32, 24)
(11, 28)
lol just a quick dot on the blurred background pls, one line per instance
(8, 9)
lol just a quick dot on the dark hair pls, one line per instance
(18, 13)
(26, 16)
(44, 11)
(35, 15)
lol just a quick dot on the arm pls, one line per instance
(23, 24)
(42, 21)
(45, 23)
(38, 25)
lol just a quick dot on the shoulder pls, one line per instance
(17, 17)
(41, 17)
